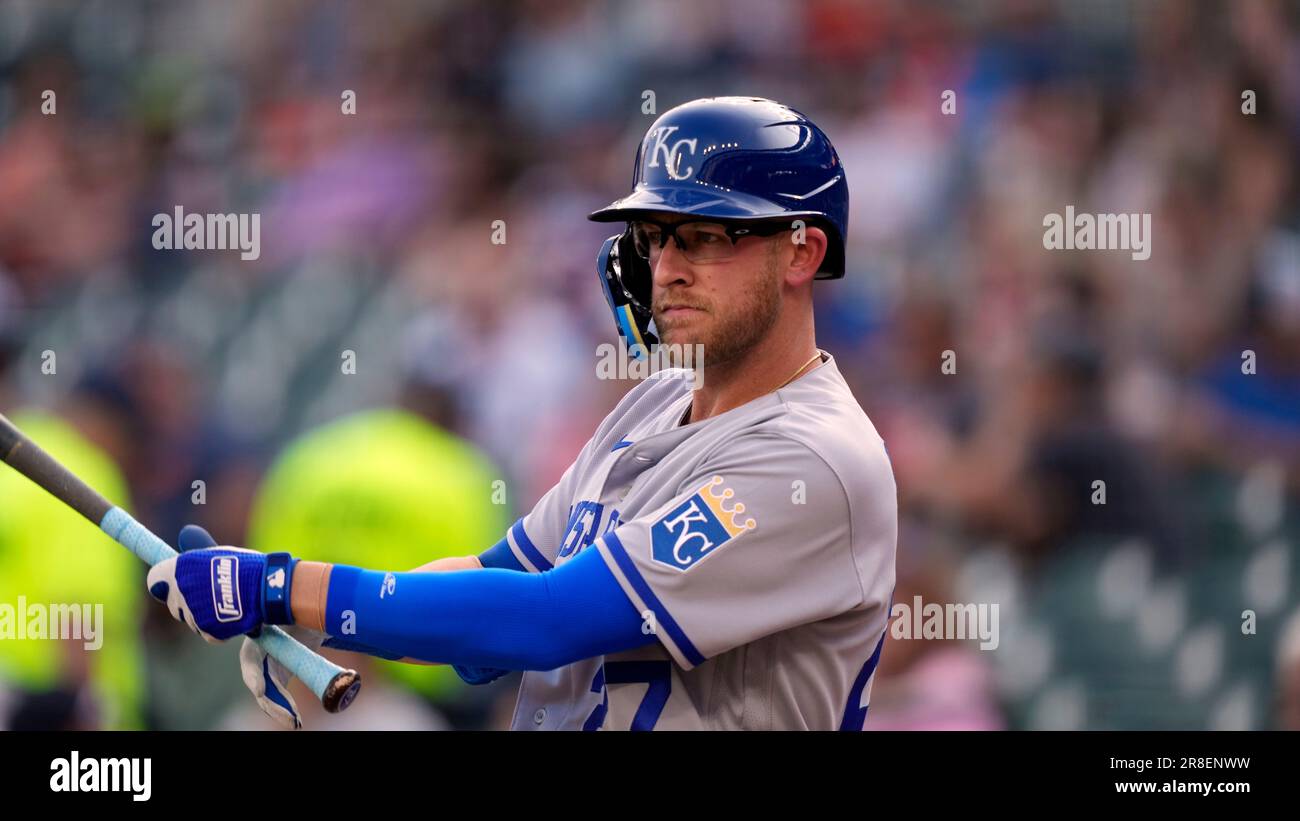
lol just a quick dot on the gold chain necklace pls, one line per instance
(686, 415)
(795, 375)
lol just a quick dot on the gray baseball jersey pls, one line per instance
(757, 545)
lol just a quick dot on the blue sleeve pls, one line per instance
(501, 556)
(487, 618)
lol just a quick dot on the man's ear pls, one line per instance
(810, 244)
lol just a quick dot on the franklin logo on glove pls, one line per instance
(224, 569)
(222, 592)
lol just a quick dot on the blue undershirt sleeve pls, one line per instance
(500, 555)
(487, 618)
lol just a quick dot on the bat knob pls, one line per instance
(340, 691)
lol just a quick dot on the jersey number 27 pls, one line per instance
(657, 674)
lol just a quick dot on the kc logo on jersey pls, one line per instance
(698, 526)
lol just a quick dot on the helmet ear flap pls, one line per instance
(634, 271)
(625, 279)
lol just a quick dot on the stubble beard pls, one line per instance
(749, 317)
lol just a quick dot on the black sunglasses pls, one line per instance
(699, 240)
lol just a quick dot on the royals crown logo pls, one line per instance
(705, 521)
(730, 519)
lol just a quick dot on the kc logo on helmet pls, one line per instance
(672, 155)
(697, 527)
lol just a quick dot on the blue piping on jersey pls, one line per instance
(855, 713)
(663, 618)
(526, 546)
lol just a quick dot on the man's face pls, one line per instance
(727, 305)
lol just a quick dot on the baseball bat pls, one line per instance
(333, 685)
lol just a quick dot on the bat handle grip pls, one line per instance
(332, 684)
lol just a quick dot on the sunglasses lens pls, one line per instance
(646, 238)
(706, 242)
(698, 241)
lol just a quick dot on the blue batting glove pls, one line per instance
(194, 537)
(222, 592)
(266, 678)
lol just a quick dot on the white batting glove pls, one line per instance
(268, 680)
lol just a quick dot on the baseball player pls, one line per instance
(720, 555)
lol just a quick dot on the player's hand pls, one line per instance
(221, 592)
(268, 680)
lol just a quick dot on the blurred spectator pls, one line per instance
(91, 673)
(392, 489)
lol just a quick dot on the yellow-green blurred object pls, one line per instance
(383, 490)
(49, 554)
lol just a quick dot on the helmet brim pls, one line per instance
(704, 202)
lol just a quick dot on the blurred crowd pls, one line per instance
(1175, 381)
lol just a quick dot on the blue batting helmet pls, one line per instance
(740, 158)
(732, 159)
